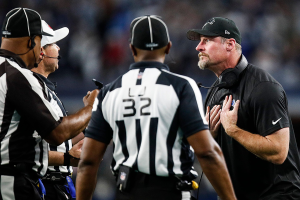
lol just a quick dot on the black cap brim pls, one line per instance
(47, 34)
(194, 34)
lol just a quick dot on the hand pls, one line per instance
(89, 99)
(213, 118)
(229, 117)
(76, 152)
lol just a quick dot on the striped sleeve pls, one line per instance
(190, 110)
(28, 97)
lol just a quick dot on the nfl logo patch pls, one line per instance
(140, 75)
(123, 176)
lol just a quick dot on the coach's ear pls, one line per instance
(133, 50)
(169, 45)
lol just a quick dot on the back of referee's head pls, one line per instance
(149, 35)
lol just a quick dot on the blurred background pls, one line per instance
(97, 47)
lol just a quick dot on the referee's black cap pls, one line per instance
(22, 22)
(149, 32)
(217, 26)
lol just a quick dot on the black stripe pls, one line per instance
(2, 68)
(54, 148)
(41, 82)
(170, 143)
(122, 137)
(138, 135)
(67, 149)
(113, 162)
(186, 150)
(152, 142)
(0, 189)
(139, 80)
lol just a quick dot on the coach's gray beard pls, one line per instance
(202, 63)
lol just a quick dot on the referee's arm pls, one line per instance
(213, 163)
(91, 156)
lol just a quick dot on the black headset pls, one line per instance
(230, 77)
(32, 42)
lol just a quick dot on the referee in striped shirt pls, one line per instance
(57, 181)
(27, 119)
(156, 122)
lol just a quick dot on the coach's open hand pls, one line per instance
(229, 117)
(213, 118)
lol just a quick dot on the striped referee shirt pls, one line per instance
(60, 109)
(148, 113)
(26, 115)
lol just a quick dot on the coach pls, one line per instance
(26, 116)
(152, 116)
(256, 133)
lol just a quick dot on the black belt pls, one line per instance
(55, 177)
(141, 179)
(19, 169)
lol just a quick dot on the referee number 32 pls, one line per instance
(145, 102)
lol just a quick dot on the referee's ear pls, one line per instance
(169, 45)
(133, 50)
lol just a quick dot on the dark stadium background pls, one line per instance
(97, 47)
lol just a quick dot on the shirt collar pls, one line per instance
(49, 84)
(12, 56)
(149, 64)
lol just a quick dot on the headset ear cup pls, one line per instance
(32, 42)
(230, 77)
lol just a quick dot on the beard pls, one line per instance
(203, 63)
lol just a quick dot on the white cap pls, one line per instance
(57, 35)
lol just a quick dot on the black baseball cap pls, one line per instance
(22, 22)
(216, 26)
(149, 32)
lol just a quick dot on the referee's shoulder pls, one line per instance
(178, 78)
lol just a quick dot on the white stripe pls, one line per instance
(134, 28)
(36, 87)
(196, 92)
(164, 25)
(7, 187)
(27, 22)
(5, 142)
(10, 17)
(176, 152)
(185, 195)
(150, 29)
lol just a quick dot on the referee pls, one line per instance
(57, 181)
(152, 116)
(27, 119)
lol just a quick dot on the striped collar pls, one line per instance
(149, 64)
(12, 56)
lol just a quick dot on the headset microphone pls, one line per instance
(218, 85)
(58, 57)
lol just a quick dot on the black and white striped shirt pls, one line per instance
(149, 112)
(26, 115)
(60, 109)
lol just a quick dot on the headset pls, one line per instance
(32, 42)
(230, 77)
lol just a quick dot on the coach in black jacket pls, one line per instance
(253, 128)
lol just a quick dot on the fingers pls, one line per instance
(227, 103)
(207, 110)
(236, 106)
